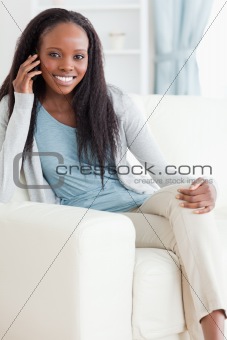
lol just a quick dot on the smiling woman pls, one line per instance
(63, 53)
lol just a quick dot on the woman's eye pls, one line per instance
(54, 54)
(57, 55)
(79, 56)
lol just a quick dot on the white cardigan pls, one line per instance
(134, 135)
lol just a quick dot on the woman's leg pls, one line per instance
(199, 252)
(154, 231)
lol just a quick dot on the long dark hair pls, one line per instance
(97, 125)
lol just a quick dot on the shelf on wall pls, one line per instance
(93, 8)
(122, 51)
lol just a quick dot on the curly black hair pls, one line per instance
(97, 124)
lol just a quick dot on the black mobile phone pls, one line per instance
(35, 68)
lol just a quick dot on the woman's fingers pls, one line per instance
(196, 205)
(191, 199)
(204, 210)
(205, 189)
(196, 202)
(31, 74)
(23, 82)
(202, 196)
(199, 181)
(29, 60)
(27, 68)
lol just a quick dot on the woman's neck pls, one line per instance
(60, 107)
(56, 101)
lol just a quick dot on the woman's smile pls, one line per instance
(65, 80)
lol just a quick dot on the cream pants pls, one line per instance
(161, 223)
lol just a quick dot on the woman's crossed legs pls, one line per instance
(161, 223)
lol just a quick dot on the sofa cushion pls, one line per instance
(157, 300)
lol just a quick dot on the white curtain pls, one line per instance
(178, 27)
(212, 54)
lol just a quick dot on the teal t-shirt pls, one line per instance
(82, 182)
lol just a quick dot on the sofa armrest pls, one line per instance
(66, 273)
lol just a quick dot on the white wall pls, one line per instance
(9, 31)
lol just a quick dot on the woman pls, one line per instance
(70, 116)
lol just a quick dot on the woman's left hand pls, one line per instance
(201, 194)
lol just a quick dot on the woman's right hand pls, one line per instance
(23, 82)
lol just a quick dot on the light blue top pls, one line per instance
(82, 184)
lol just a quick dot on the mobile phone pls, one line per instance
(36, 68)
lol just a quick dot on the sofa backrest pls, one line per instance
(190, 130)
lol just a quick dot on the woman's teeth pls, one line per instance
(65, 79)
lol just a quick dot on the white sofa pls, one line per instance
(72, 274)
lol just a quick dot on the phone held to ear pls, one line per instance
(36, 68)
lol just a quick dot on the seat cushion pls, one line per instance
(157, 297)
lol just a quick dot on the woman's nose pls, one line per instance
(66, 64)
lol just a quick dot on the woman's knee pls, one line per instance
(162, 201)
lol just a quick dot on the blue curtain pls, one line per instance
(178, 27)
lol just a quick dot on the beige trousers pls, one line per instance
(161, 223)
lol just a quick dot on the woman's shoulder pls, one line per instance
(120, 99)
(4, 101)
(4, 107)
(24, 100)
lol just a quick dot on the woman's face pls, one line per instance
(63, 53)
